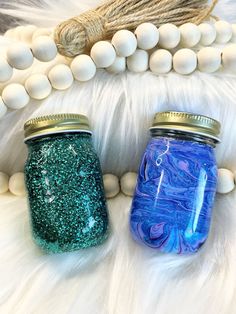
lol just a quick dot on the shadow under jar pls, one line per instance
(64, 184)
(172, 205)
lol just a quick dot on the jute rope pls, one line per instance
(77, 35)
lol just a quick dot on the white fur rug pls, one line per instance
(119, 277)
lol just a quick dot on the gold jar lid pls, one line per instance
(58, 123)
(187, 122)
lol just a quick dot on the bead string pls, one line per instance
(148, 36)
(126, 49)
(78, 34)
(27, 33)
(112, 184)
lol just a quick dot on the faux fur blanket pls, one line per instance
(119, 277)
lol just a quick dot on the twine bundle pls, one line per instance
(77, 35)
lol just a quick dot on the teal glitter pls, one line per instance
(65, 192)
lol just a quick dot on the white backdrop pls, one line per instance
(119, 277)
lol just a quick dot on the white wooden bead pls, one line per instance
(125, 43)
(61, 77)
(224, 32)
(190, 35)
(27, 33)
(111, 185)
(208, 34)
(169, 36)
(83, 68)
(229, 57)
(209, 59)
(161, 61)
(225, 181)
(128, 183)
(15, 96)
(59, 59)
(147, 36)
(10, 33)
(138, 62)
(19, 56)
(44, 48)
(234, 32)
(118, 66)
(4, 181)
(3, 108)
(17, 184)
(18, 31)
(41, 32)
(6, 71)
(38, 86)
(103, 54)
(21, 33)
(185, 61)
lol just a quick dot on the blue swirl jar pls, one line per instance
(64, 183)
(172, 204)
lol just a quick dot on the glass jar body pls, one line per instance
(174, 196)
(65, 192)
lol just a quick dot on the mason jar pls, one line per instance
(172, 205)
(64, 184)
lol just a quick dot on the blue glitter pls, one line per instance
(66, 193)
(171, 209)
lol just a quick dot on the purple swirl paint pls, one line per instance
(172, 204)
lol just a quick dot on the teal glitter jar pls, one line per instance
(64, 184)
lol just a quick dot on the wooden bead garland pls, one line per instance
(19, 56)
(226, 182)
(169, 36)
(103, 54)
(208, 34)
(125, 43)
(116, 55)
(77, 34)
(209, 59)
(161, 61)
(38, 86)
(22, 33)
(113, 57)
(27, 33)
(83, 68)
(112, 184)
(229, 57)
(138, 62)
(118, 66)
(17, 184)
(185, 61)
(6, 71)
(44, 48)
(61, 77)
(10, 33)
(224, 32)
(190, 35)
(41, 32)
(128, 183)
(146, 36)
(15, 96)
